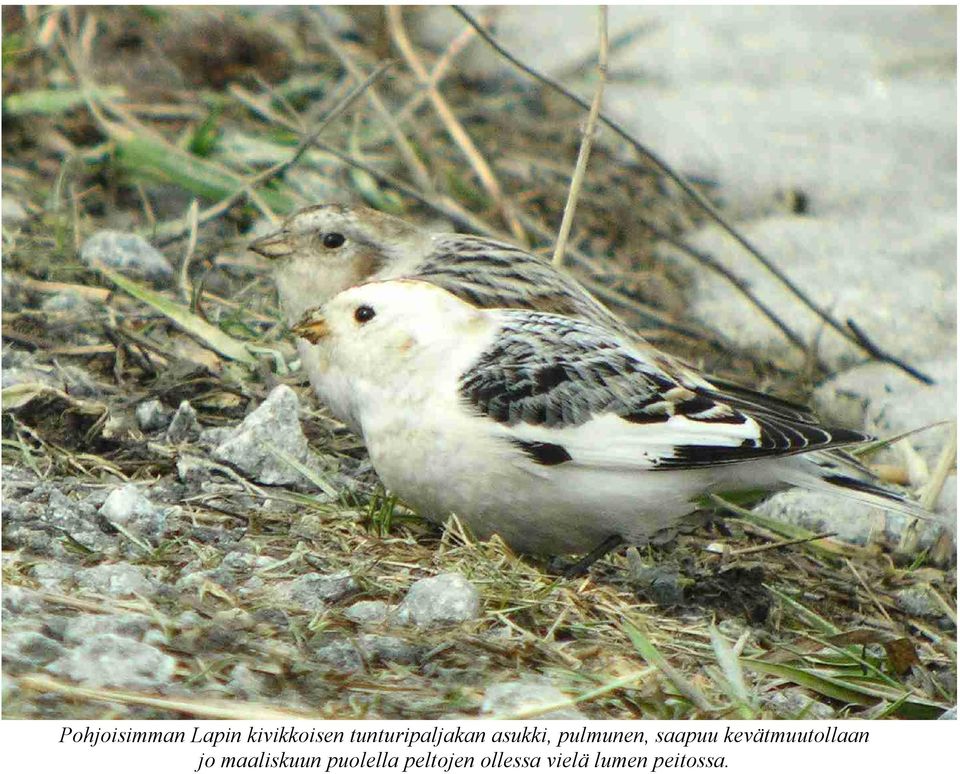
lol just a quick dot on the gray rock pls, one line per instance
(184, 425)
(950, 714)
(130, 509)
(43, 528)
(510, 698)
(439, 601)
(275, 424)
(211, 437)
(314, 591)
(793, 703)
(339, 653)
(244, 683)
(10, 377)
(152, 415)
(119, 579)
(128, 625)
(20, 601)
(129, 253)
(378, 647)
(852, 521)
(52, 575)
(24, 651)
(194, 470)
(13, 212)
(111, 660)
(368, 611)
(887, 401)
(919, 600)
(67, 301)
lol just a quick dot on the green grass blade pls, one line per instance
(209, 335)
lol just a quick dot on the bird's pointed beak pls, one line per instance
(275, 245)
(312, 327)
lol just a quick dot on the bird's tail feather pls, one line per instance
(842, 475)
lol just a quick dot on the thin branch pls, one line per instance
(183, 278)
(714, 265)
(586, 143)
(248, 187)
(945, 463)
(457, 45)
(849, 332)
(453, 126)
(417, 168)
(874, 351)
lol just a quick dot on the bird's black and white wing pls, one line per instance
(496, 275)
(568, 391)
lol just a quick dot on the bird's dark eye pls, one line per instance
(364, 314)
(333, 240)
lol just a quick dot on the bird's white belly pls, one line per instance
(537, 509)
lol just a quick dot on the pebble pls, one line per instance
(919, 600)
(133, 511)
(184, 426)
(368, 611)
(13, 211)
(129, 625)
(129, 253)
(314, 591)
(152, 415)
(119, 579)
(795, 704)
(440, 601)
(111, 660)
(510, 698)
(275, 424)
(23, 651)
(380, 647)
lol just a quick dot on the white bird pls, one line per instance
(556, 433)
(324, 249)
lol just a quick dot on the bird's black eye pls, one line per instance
(364, 314)
(333, 240)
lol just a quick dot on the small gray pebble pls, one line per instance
(152, 415)
(130, 253)
(439, 601)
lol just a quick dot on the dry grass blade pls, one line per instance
(653, 656)
(946, 462)
(410, 158)
(732, 671)
(453, 126)
(583, 157)
(183, 276)
(208, 335)
(211, 710)
(248, 187)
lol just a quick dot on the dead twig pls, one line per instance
(406, 150)
(457, 45)
(945, 463)
(183, 276)
(453, 126)
(850, 331)
(586, 143)
(249, 186)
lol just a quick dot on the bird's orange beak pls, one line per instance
(275, 245)
(312, 327)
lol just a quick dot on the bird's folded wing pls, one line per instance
(565, 390)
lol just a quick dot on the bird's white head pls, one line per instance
(393, 324)
(324, 249)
